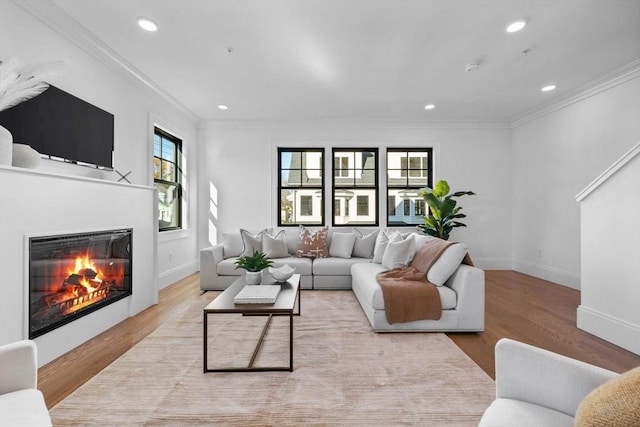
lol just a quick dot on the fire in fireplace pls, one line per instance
(73, 275)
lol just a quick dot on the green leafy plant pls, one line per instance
(255, 262)
(443, 210)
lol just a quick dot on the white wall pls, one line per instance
(136, 109)
(610, 252)
(554, 157)
(238, 174)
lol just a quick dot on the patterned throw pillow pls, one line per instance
(313, 244)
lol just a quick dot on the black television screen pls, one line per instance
(56, 123)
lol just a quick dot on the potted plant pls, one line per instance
(254, 264)
(443, 212)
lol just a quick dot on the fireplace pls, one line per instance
(73, 275)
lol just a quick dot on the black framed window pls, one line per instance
(300, 186)
(355, 185)
(408, 171)
(167, 176)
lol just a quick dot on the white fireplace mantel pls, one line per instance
(34, 202)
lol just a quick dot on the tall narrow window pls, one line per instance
(408, 171)
(300, 186)
(355, 185)
(167, 175)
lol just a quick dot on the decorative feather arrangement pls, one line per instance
(21, 83)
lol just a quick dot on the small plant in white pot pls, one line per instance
(254, 264)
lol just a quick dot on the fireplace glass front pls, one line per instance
(73, 275)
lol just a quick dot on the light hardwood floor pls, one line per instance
(517, 306)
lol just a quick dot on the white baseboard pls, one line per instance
(609, 328)
(552, 274)
(169, 277)
(492, 263)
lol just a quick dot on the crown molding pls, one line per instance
(621, 75)
(58, 20)
(369, 124)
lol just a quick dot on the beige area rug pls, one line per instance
(344, 374)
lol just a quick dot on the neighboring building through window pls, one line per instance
(355, 186)
(300, 186)
(167, 176)
(409, 170)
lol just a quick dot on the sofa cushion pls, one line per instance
(447, 264)
(275, 246)
(303, 266)
(364, 244)
(399, 253)
(251, 242)
(227, 267)
(616, 403)
(333, 266)
(342, 245)
(313, 244)
(365, 276)
(511, 412)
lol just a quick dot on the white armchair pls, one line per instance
(21, 403)
(535, 387)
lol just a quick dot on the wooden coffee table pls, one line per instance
(284, 306)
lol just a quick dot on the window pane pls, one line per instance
(168, 171)
(407, 173)
(406, 207)
(420, 181)
(168, 205)
(168, 150)
(290, 177)
(288, 159)
(312, 160)
(311, 178)
(286, 206)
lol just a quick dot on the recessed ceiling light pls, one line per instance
(516, 26)
(548, 88)
(430, 106)
(147, 24)
(223, 107)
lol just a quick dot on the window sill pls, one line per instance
(165, 236)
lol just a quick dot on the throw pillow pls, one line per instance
(363, 246)
(447, 264)
(613, 404)
(275, 246)
(398, 253)
(380, 245)
(342, 245)
(231, 244)
(251, 243)
(313, 244)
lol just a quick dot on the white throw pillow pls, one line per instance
(275, 246)
(231, 244)
(364, 245)
(342, 245)
(380, 245)
(447, 264)
(398, 253)
(251, 243)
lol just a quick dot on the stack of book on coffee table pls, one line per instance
(257, 294)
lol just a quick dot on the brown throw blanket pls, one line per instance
(407, 294)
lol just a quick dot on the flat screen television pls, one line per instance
(60, 125)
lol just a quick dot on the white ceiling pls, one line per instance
(366, 59)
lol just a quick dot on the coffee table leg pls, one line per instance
(205, 342)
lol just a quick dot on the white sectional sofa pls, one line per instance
(461, 291)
